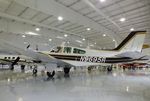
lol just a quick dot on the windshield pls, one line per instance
(57, 50)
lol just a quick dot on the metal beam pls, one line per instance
(52, 7)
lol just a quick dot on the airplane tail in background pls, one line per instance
(133, 42)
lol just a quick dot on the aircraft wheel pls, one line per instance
(109, 69)
(22, 68)
(12, 67)
(66, 70)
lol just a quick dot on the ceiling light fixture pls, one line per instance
(88, 29)
(113, 39)
(50, 39)
(92, 45)
(102, 0)
(95, 43)
(65, 35)
(83, 39)
(122, 19)
(59, 37)
(78, 41)
(132, 29)
(23, 36)
(32, 33)
(25, 42)
(60, 18)
(37, 29)
(104, 34)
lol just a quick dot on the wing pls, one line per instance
(10, 48)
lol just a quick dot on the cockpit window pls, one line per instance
(57, 50)
(78, 51)
(67, 49)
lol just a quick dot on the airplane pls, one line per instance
(129, 50)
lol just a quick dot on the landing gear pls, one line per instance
(50, 75)
(22, 68)
(66, 71)
(35, 71)
(109, 69)
(14, 63)
(12, 67)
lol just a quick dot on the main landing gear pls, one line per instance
(66, 71)
(109, 69)
(22, 68)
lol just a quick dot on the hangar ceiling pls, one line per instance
(81, 19)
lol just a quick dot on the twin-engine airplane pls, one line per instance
(128, 51)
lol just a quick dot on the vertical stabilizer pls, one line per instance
(133, 42)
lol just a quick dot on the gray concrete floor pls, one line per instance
(80, 86)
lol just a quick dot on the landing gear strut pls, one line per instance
(14, 63)
(66, 71)
(22, 68)
(109, 69)
(12, 67)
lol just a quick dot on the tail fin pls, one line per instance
(133, 42)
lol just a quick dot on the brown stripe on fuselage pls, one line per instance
(77, 58)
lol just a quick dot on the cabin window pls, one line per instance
(78, 51)
(8, 57)
(13, 58)
(67, 49)
(5, 57)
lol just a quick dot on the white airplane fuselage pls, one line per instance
(86, 57)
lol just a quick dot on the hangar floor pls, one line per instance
(94, 86)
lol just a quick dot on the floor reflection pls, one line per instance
(79, 86)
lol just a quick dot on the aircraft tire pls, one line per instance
(22, 68)
(66, 70)
(109, 69)
(12, 67)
